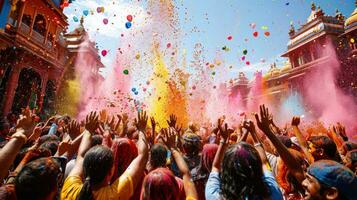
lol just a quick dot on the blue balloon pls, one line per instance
(136, 93)
(128, 25)
(75, 19)
(133, 89)
(85, 12)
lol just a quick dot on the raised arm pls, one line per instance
(91, 124)
(303, 144)
(225, 132)
(249, 125)
(170, 140)
(24, 128)
(289, 160)
(137, 166)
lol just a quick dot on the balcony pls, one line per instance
(37, 37)
(24, 28)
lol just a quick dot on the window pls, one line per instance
(40, 24)
(26, 19)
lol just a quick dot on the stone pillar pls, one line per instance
(11, 88)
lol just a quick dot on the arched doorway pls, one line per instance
(28, 91)
(49, 100)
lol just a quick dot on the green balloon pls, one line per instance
(245, 51)
(126, 72)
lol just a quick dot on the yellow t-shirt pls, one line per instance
(121, 189)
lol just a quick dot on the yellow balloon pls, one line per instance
(352, 40)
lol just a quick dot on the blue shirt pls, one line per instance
(213, 188)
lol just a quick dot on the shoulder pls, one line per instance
(71, 187)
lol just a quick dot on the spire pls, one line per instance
(339, 16)
(313, 6)
(292, 30)
(82, 20)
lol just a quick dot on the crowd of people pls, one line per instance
(115, 157)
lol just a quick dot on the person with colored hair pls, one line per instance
(244, 173)
(327, 179)
(201, 172)
(96, 166)
(191, 147)
(161, 184)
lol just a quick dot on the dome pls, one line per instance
(353, 18)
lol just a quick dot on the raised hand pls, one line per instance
(169, 136)
(225, 132)
(264, 121)
(172, 121)
(26, 121)
(103, 115)
(340, 130)
(92, 122)
(249, 126)
(117, 124)
(295, 121)
(141, 121)
(74, 129)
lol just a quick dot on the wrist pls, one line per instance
(19, 135)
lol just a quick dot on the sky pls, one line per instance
(209, 23)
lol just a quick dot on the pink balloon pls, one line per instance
(105, 21)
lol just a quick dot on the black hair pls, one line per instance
(37, 179)
(98, 162)
(328, 145)
(52, 146)
(242, 173)
(97, 140)
(158, 154)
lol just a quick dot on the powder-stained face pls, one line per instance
(312, 187)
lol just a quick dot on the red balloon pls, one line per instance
(129, 18)
(104, 52)
(267, 33)
(255, 34)
(230, 37)
(247, 63)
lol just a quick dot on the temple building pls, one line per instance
(81, 51)
(36, 54)
(33, 53)
(305, 53)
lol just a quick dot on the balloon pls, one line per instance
(137, 57)
(255, 34)
(243, 58)
(133, 89)
(129, 18)
(168, 45)
(247, 63)
(104, 52)
(75, 19)
(128, 25)
(99, 9)
(267, 33)
(245, 51)
(126, 72)
(352, 40)
(229, 37)
(85, 12)
(105, 21)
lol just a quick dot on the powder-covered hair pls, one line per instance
(160, 184)
(242, 173)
